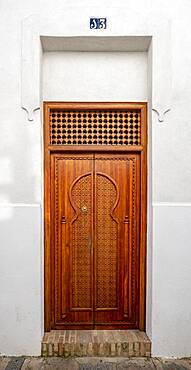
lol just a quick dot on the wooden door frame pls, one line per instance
(48, 150)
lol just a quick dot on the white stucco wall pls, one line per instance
(95, 76)
(21, 250)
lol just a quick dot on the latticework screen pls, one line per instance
(95, 127)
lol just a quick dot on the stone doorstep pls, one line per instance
(92, 343)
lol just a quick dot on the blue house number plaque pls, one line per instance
(98, 23)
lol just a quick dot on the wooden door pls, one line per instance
(116, 249)
(72, 183)
(95, 224)
(96, 254)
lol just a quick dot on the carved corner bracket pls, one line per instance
(30, 112)
(161, 114)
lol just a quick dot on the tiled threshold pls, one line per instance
(102, 343)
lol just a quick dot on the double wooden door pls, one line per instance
(95, 255)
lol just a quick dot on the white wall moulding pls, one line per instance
(161, 113)
(30, 66)
(127, 31)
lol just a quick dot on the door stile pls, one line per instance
(52, 237)
(94, 239)
(63, 252)
(143, 220)
(47, 229)
(138, 234)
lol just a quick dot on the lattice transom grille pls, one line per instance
(95, 127)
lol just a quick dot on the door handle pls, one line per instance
(84, 209)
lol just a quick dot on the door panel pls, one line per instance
(81, 242)
(116, 240)
(106, 242)
(95, 249)
(72, 245)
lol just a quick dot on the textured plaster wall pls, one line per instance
(95, 76)
(21, 251)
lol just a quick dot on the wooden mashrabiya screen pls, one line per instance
(86, 127)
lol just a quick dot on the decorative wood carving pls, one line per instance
(72, 256)
(80, 231)
(93, 127)
(126, 241)
(106, 251)
(96, 226)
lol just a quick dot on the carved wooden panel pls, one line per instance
(95, 127)
(81, 233)
(71, 221)
(117, 240)
(107, 242)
